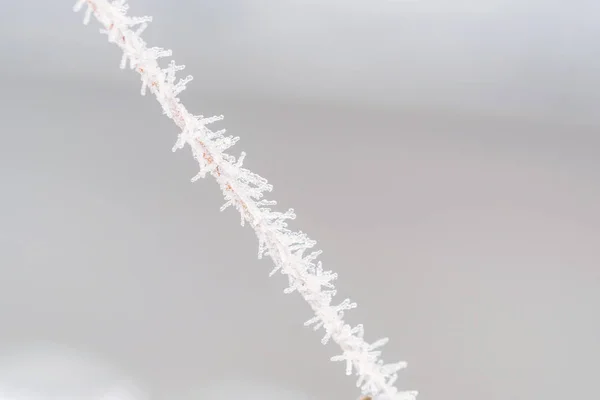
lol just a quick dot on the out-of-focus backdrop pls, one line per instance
(444, 154)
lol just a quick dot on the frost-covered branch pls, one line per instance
(290, 251)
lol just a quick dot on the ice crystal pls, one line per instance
(244, 190)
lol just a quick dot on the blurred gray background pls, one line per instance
(443, 153)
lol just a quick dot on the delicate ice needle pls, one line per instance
(244, 190)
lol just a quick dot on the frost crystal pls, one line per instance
(244, 190)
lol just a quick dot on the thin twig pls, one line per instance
(244, 190)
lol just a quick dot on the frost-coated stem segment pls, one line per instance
(244, 190)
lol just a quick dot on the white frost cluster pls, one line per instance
(290, 251)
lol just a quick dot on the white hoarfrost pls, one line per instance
(290, 251)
